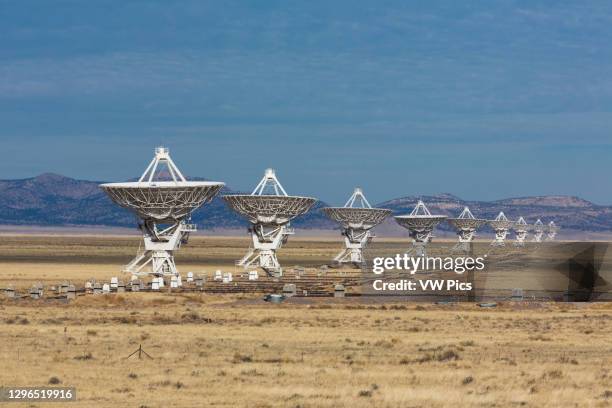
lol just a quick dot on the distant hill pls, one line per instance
(55, 200)
(568, 212)
(548, 201)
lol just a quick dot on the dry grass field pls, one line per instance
(236, 350)
(227, 351)
(27, 259)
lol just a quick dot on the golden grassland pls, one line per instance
(50, 259)
(240, 351)
(29, 259)
(236, 350)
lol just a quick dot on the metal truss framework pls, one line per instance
(501, 224)
(269, 210)
(420, 223)
(465, 225)
(357, 218)
(163, 207)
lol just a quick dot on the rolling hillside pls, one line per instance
(55, 200)
(568, 212)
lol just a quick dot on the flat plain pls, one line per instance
(50, 259)
(237, 350)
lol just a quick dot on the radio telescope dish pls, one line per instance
(521, 229)
(164, 208)
(538, 231)
(357, 218)
(551, 231)
(501, 224)
(269, 210)
(465, 225)
(420, 223)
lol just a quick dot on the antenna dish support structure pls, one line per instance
(164, 208)
(420, 224)
(269, 210)
(159, 249)
(551, 231)
(266, 241)
(465, 225)
(501, 224)
(538, 231)
(521, 229)
(357, 219)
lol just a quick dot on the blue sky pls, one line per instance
(481, 99)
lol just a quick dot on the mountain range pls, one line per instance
(55, 200)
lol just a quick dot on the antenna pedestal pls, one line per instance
(464, 247)
(158, 257)
(354, 241)
(520, 238)
(466, 235)
(500, 238)
(465, 241)
(420, 239)
(266, 241)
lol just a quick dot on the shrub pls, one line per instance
(86, 356)
(242, 358)
(467, 380)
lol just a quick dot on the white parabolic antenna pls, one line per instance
(269, 209)
(163, 206)
(551, 231)
(501, 224)
(466, 225)
(521, 229)
(357, 218)
(420, 223)
(538, 231)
